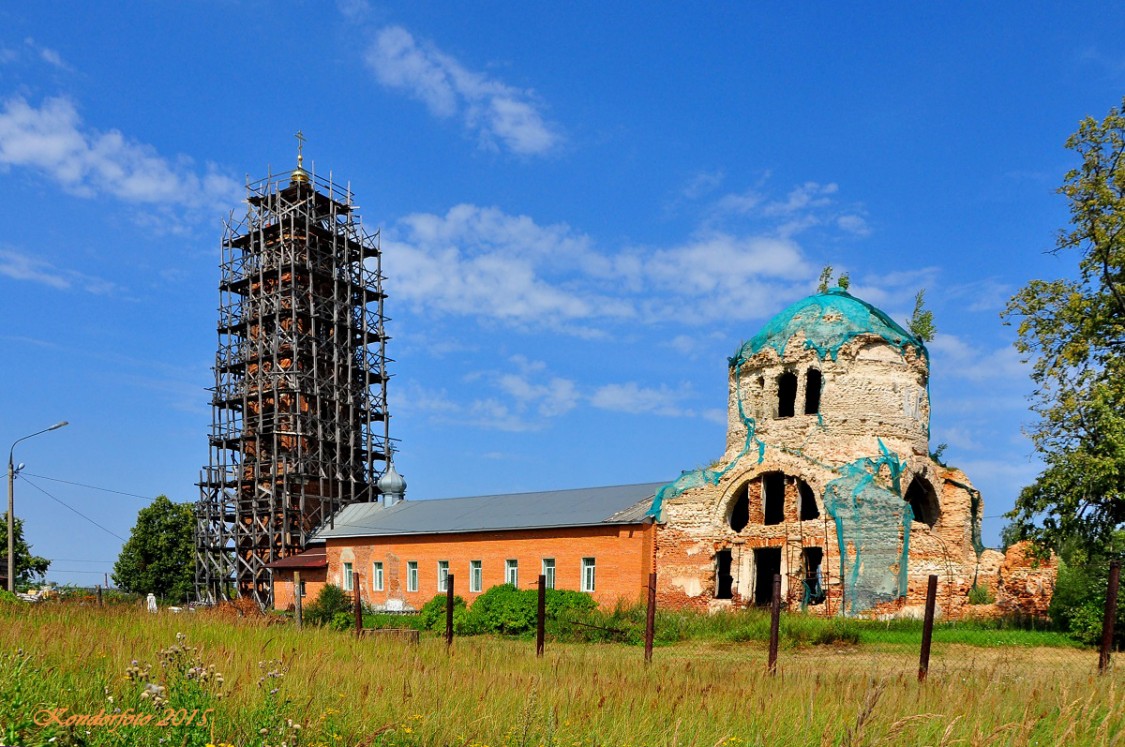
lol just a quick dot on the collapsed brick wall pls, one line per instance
(845, 415)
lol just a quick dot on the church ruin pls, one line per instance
(828, 480)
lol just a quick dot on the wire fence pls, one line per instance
(923, 647)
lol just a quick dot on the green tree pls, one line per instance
(159, 556)
(922, 320)
(1073, 331)
(825, 280)
(29, 568)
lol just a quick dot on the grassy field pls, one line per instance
(273, 684)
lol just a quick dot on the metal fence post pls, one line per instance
(775, 622)
(650, 617)
(541, 616)
(448, 609)
(298, 612)
(1110, 615)
(927, 629)
(358, 605)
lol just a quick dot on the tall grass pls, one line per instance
(493, 691)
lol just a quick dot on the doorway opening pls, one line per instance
(767, 564)
(724, 581)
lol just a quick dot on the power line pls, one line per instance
(75, 510)
(91, 487)
(79, 560)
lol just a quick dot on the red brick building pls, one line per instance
(596, 540)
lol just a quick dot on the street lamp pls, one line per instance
(12, 504)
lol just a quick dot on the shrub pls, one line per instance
(504, 609)
(328, 602)
(432, 616)
(507, 610)
(1078, 604)
(981, 595)
(342, 621)
(560, 603)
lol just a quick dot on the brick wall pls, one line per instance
(623, 559)
(314, 580)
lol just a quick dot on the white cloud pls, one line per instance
(483, 262)
(853, 224)
(497, 112)
(21, 266)
(52, 57)
(635, 399)
(987, 294)
(806, 206)
(32, 51)
(354, 10)
(956, 358)
(701, 184)
(53, 140)
(959, 437)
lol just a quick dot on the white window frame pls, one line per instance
(347, 585)
(412, 575)
(589, 574)
(443, 575)
(377, 576)
(512, 572)
(476, 575)
(548, 568)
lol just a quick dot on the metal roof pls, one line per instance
(618, 504)
(314, 557)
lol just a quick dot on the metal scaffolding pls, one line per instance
(299, 408)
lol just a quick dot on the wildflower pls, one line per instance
(153, 690)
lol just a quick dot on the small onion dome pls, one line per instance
(299, 175)
(391, 482)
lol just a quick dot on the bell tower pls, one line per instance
(299, 425)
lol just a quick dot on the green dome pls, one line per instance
(829, 321)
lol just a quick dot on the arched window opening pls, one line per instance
(786, 394)
(773, 497)
(809, 509)
(740, 508)
(813, 382)
(724, 581)
(923, 501)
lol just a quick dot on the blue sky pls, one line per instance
(584, 210)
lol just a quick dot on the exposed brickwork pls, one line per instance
(1027, 580)
(873, 405)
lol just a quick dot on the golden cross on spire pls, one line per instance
(300, 147)
(299, 174)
